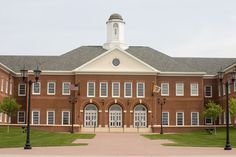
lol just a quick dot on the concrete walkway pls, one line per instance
(118, 144)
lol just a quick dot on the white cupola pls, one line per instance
(115, 33)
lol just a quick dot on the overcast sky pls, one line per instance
(186, 28)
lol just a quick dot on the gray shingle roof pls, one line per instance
(83, 54)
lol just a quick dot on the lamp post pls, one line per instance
(161, 102)
(227, 84)
(72, 100)
(24, 74)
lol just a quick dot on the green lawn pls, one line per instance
(16, 138)
(197, 139)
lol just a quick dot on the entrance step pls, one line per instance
(106, 129)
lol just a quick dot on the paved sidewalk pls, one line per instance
(118, 144)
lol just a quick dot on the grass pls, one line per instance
(197, 139)
(16, 138)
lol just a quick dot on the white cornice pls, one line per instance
(6, 69)
(47, 72)
(115, 73)
(182, 74)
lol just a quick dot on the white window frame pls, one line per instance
(182, 89)
(192, 119)
(10, 92)
(224, 86)
(19, 89)
(53, 117)
(131, 90)
(168, 91)
(5, 118)
(116, 96)
(63, 87)
(235, 85)
(1, 116)
(229, 89)
(100, 91)
(51, 82)
(33, 92)
(177, 118)
(33, 117)
(191, 89)
(168, 117)
(18, 117)
(6, 87)
(94, 89)
(205, 91)
(62, 117)
(2, 85)
(140, 96)
(219, 90)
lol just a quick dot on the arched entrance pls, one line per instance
(140, 116)
(90, 116)
(115, 116)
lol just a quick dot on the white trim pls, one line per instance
(130, 89)
(191, 89)
(143, 89)
(6, 87)
(167, 117)
(94, 88)
(107, 52)
(168, 88)
(2, 85)
(63, 87)
(166, 73)
(6, 69)
(32, 122)
(10, 91)
(53, 117)
(33, 92)
(51, 82)
(62, 117)
(1, 116)
(177, 118)
(48, 72)
(115, 73)
(182, 88)
(100, 90)
(19, 89)
(205, 91)
(197, 118)
(117, 96)
(18, 119)
(235, 85)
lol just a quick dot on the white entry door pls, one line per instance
(140, 116)
(115, 116)
(90, 116)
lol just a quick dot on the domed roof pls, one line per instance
(115, 16)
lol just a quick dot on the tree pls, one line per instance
(9, 107)
(212, 110)
(232, 109)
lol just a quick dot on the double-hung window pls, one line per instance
(6, 86)
(36, 88)
(180, 118)
(179, 89)
(235, 85)
(103, 89)
(2, 85)
(208, 91)
(21, 117)
(35, 117)
(229, 89)
(91, 89)
(219, 90)
(208, 120)
(51, 88)
(128, 89)
(165, 89)
(224, 86)
(22, 90)
(50, 117)
(65, 118)
(66, 88)
(10, 92)
(194, 118)
(140, 90)
(194, 89)
(115, 89)
(165, 118)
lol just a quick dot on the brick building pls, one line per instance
(115, 84)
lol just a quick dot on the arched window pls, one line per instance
(90, 116)
(140, 116)
(116, 30)
(115, 116)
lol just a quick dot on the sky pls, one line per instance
(178, 28)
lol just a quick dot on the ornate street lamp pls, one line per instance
(72, 101)
(24, 75)
(221, 77)
(161, 102)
